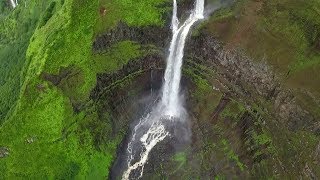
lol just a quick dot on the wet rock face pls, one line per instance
(148, 63)
(63, 80)
(145, 36)
(129, 100)
(159, 156)
(232, 65)
(184, 9)
(249, 80)
(155, 35)
(238, 76)
(123, 91)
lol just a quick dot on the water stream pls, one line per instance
(151, 129)
(14, 3)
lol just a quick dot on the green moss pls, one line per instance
(48, 14)
(219, 177)
(261, 139)
(281, 32)
(203, 95)
(223, 13)
(116, 57)
(141, 12)
(294, 149)
(231, 154)
(181, 159)
(134, 13)
(202, 85)
(38, 121)
(4, 8)
(57, 44)
(122, 83)
(66, 144)
(217, 148)
(16, 29)
(233, 110)
(53, 155)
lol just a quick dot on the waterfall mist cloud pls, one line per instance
(167, 118)
(213, 5)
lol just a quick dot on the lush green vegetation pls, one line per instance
(133, 13)
(16, 29)
(231, 154)
(4, 9)
(46, 139)
(298, 24)
(203, 89)
(233, 110)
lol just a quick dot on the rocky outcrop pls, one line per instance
(151, 35)
(105, 81)
(145, 36)
(239, 77)
(250, 80)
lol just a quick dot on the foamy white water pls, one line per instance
(155, 134)
(14, 3)
(170, 97)
(170, 106)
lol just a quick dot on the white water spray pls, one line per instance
(151, 128)
(14, 3)
(170, 96)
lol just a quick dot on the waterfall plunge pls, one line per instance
(151, 129)
(170, 96)
(14, 3)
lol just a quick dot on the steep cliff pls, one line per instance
(77, 72)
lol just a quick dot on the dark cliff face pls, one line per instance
(78, 74)
(159, 37)
(251, 81)
(245, 122)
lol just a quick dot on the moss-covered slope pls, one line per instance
(49, 72)
(72, 72)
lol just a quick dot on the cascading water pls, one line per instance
(151, 129)
(14, 3)
(170, 96)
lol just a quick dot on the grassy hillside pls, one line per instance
(16, 30)
(45, 137)
(51, 128)
(285, 33)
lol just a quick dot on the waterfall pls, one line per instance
(170, 96)
(151, 129)
(14, 3)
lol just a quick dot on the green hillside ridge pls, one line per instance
(54, 130)
(41, 112)
(284, 33)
